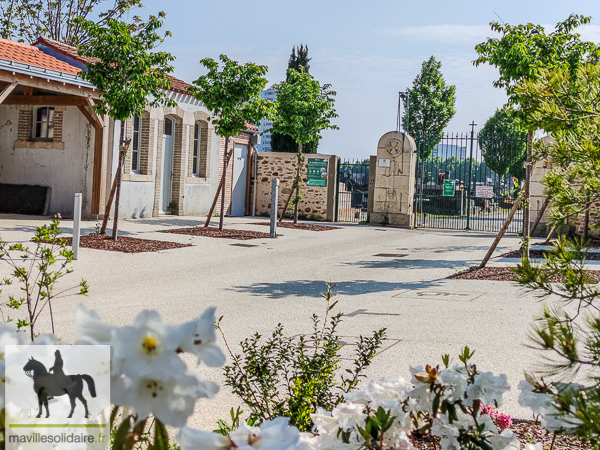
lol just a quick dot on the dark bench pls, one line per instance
(24, 199)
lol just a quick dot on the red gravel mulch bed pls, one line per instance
(593, 244)
(540, 254)
(124, 244)
(503, 274)
(214, 232)
(300, 226)
(527, 432)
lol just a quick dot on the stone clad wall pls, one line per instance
(537, 198)
(318, 201)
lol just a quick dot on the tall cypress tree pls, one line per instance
(282, 142)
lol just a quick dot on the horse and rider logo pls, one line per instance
(53, 382)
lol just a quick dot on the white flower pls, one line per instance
(191, 439)
(277, 434)
(488, 388)
(146, 350)
(90, 328)
(539, 403)
(506, 440)
(171, 401)
(324, 423)
(47, 339)
(349, 415)
(274, 434)
(454, 383)
(536, 446)
(543, 404)
(199, 337)
(447, 433)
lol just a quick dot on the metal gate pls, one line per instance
(352, 191)
(469, 182)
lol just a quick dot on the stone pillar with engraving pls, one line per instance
(394, 185)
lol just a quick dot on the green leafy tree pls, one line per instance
(129, 75)
(522, 51)
(569, 339)
(567, 105)
(428, 107)
(232, 93)
(282, 142)
(503, 142)
(27, 20)
(305, 109)
(525, 49)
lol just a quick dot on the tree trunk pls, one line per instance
(122, 154)
(526, 197)
(297, 184)
(223, 186)
(116, 182)
(284, 206)
(214, 203)
(507, 222)
(108, 205)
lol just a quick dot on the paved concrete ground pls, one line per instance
(280, 280)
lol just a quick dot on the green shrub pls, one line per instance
(294, 375)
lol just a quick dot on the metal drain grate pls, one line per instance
(244, 245)
(391, 255)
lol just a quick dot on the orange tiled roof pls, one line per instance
(178, 85)
(29, 54)
(65, 49)
(251, 127)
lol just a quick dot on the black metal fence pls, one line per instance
(352, 191)
(469, 182)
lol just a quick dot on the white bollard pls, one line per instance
(76, 225)
(274, 205)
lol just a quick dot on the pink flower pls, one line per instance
(503, 421)
(489, 410)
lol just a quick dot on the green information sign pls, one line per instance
(317, 172)
(449, 188)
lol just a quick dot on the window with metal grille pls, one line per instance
(196, 154)
(136, 144)
(43, 128)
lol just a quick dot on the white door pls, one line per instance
(238, 193)
(167, 171)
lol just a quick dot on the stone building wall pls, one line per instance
(317, 203)
(541, 169)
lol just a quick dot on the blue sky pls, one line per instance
(367, 50)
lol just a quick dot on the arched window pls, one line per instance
(196, 151)
(43, 127)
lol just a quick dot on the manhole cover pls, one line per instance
(244, 245)
(379, 229)
(391, 255)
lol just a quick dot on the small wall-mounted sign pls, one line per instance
(484, 191)
(384, 162)
(317, 172)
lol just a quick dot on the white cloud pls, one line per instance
(450, 34)
(590, 33)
